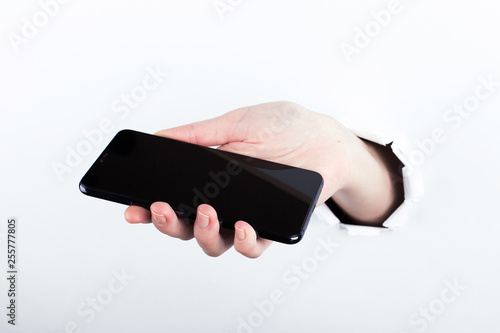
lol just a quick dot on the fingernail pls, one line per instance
(157, 218)
(203, 220)
(240, 233)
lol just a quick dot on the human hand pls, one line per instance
(282, 132)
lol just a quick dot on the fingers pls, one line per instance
(136, 214)
(210, 132)
(166, 221)
(246, 241)
(213, 241)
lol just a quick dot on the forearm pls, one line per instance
(373, 189)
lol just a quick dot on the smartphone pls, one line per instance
(136, 168)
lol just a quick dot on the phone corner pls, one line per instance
(295, 239)
(82, 187)
(125, 131)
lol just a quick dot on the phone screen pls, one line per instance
(139, 169)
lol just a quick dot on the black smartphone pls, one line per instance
(136, 168)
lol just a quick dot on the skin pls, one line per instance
(356, 174)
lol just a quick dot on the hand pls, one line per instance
(282, 132)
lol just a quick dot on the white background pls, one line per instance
(64, 80)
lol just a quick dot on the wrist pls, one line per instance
(369, 194)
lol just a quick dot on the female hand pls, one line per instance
(282, 132)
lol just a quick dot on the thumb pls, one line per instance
(211, 132)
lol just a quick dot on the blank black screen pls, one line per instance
(138, 168)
